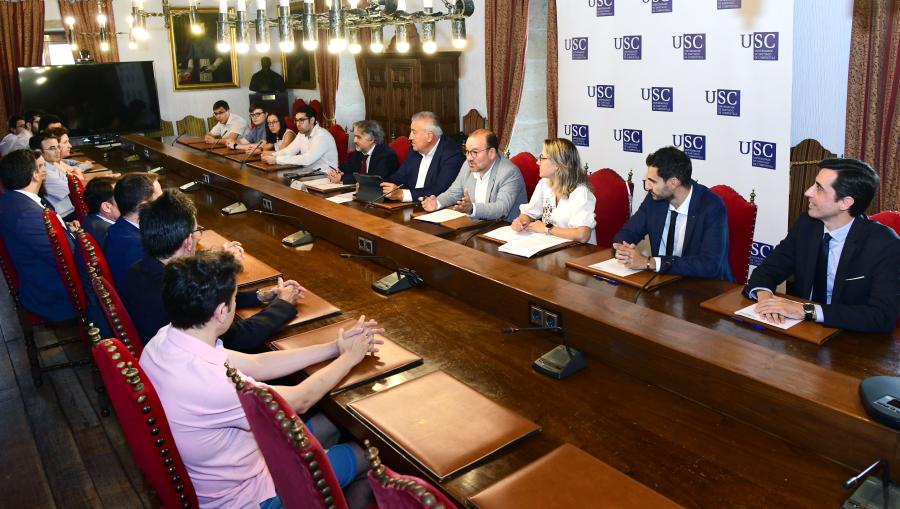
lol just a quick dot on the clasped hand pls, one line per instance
(359, 340)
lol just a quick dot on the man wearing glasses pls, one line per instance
(687, 223)
(229, 126)
(56, 183)
(487, 187)
(313, 147)
(255, 133)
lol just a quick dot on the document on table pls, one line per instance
(341, 198)
(505, 234)
(612, 266)
(749, 312)
(323, 184)
(439, 216)
(529, 244)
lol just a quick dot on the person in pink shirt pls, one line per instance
(186, 363)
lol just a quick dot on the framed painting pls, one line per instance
(299, 68)
(196, 63)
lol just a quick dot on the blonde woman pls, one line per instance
(563, 202)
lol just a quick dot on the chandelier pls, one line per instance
(343, 25)
(137, 24)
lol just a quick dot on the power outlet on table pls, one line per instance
(365, 245)
(535, 315)
(267, 204)
(206, 178)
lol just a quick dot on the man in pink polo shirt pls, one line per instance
(186, 363)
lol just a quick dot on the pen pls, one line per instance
(608, 280)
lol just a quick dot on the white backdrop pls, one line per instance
(712, 77)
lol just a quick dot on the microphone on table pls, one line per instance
(403, 278)
(237, 207)
(371, 203)
(298, 238)
(561, 362)
(220, 138)
(251, 153)
(176, 139)
(666, 267)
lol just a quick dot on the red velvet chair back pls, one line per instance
(92, 254)
(527, 164)
(402, 491)
(741, 225)
(400, 146)
(316, 105)
(144, 423)
(76, 194)
(888, 218)
(289, 120)
(340, 140)
(611, 209)
(9, 271)
(298, 464)
(65, 261)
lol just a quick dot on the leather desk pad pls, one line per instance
(311, 307)
(255, 270)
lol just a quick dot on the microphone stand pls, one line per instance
(237, 207)
(298, 238)
(251, 153)
(861, 493)
(371, 203)
(666, 266)
(561, 362)
(176, 139)
(403, 278)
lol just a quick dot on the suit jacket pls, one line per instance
(705, 251)
(383, 162)
(506, 191)
(141, 292)
(97, 227)
(866, 292)
(444, 168)
(122, 248)
(41, 290)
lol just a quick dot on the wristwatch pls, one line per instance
(547, 229)
(809, 311)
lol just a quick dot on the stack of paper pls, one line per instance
(505, 234)
(440, 216)
(612, 266)
(323, 185)
(531, 244)
(341, 198)
(750, 312)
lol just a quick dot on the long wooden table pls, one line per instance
(688, 402)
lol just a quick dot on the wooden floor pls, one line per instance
(55, 448)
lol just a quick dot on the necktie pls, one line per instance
(47, 205)
(670, 237)
(820, 284)
(365, 164)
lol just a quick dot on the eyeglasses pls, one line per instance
(273, 122)
(542, 157)
(53, 148)
(475, 152)
(258, 113)
(199, 229)
(300, 119)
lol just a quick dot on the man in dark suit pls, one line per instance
(430, 167)
(372, 155)
(169, 231)
(845, 264)
(123, 239)
(41, 289)
(687, 223)
(102, 209)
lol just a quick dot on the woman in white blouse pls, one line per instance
(563, 201)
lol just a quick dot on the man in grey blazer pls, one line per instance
(487, 187)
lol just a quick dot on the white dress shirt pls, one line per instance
(423, 171)
(234, 124)
(12, 142)
(315, 150)
(680, 229)
(482, 186)
(573, 211)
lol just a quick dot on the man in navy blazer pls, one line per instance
(123, 239)
(379, 159)
(430, 167)
(102, 209)
(844, 265)
(41, 289)
(698, 244)
(487, 186)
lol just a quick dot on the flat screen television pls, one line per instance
(94, 100)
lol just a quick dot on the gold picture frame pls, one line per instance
(196, 63)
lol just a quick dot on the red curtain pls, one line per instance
(873, 95)
(85, 14)
(327, 66)
(21, 45)
(505, 34)
(552, 71)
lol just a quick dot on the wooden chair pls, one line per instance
(190, 125)
(210, 123)
(165, 129)
(297, 462)
(340, 140)
(888, 218)
(527, 164)
(101, 281)
(741, 225)
(400, 146)
(473, 121)
(289, 120)
(611, 209)
(401, 491)
(143, 422)
(76, 194)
